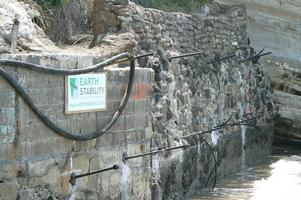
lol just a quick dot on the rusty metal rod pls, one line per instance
(185, 55)
(221, 59)
(74, 176)
(155, 152)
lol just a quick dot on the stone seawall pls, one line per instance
(192, 96)
(172, 99)
(36, 163)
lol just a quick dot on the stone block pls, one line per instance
(105, 140)
(37, 149)
(141, 106)
(132, 150)
(60, 146)
(108, 157)
(120, 138)
(120, 124)
(134, 136)
(140, 121)
(26, 115)
(129, 122)
(9, 170)
(40, 168)
(149, 133)
(13, 150)
(7, 116)
(4, 84)
(9, 190)
(3, 154)
(115, 91)
(102, 120)
(7, 134)
(36, 131)
(7, 98)
(140, 91)
(130, 107)
(86, 146)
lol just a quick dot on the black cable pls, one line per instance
(214, 167)
(52, 70)
(45, 119)
(226, 122)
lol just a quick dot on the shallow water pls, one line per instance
(278, 178)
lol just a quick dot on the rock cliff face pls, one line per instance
(276, 26)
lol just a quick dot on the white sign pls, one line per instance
(86, 93)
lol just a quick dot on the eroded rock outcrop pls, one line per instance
(31, 37)
(275, 25)
(286, 84)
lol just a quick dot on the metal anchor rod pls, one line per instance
(224, 125)
(74, 176)
(155, 152)
(252, 57)
(246, 120)
(198, 53)
(185, 55)
(135, 57)
(204, 132)
(144, 55)
(221, 59)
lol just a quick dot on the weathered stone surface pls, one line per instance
(41, 162)
(9, 190)
(286, 84)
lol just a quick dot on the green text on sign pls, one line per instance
(85, 92)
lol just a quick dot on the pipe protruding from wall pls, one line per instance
(125, 157)
(144, 55)
(221, 59)
(226, 124)
(75, 176)
(254, 59)
(185, 55)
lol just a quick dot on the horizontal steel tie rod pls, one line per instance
(222, 126)
(185, 55)
(135, 57)
(153, 152)
(257, 56)
(76, 176)
(221, 59)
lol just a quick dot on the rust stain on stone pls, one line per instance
(139, 91)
